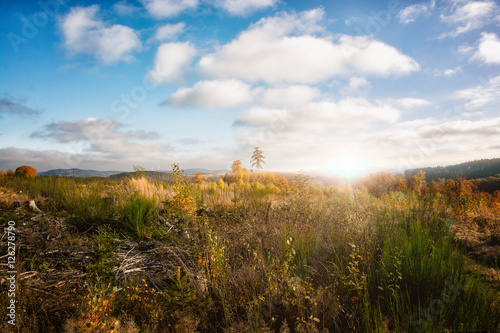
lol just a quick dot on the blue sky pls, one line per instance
(317, 85)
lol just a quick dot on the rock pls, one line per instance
(29, 205)
(32, 206)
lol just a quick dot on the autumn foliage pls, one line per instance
(26, 171)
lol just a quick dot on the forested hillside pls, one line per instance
(483, 168)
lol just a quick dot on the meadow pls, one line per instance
(252, 252)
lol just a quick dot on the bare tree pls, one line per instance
(257, 159)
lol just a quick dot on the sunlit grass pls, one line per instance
(250, 256)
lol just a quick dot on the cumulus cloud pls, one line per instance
(161, 9)
(169, 31)
(357, 85)
(320, 117)
(467, 16)
(15, 106)
(284, 49)
(84, 33)
(212, 94)
(170, 61)
(242, 7)
(409, 14)
(489, 49)
(356, 82)
(481, 95)
(290, 96)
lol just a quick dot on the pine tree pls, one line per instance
(257, 159)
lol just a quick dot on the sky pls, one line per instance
(345, 87)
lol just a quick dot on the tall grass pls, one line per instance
(302, 259)
(137, 213)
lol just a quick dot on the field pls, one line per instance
(253, 253)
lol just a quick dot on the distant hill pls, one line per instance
(469, 170)
(79, 173)
(159, 175)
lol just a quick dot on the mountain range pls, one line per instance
(79, 173)
(470, 170)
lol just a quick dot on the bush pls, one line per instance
(26, 171)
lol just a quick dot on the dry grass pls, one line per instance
(302, 259)
(148, 189)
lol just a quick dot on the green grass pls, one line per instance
(136, 214)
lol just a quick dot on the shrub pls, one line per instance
(26, 171)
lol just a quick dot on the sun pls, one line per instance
(349, 167)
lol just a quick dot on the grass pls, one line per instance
(137, 213)
(291, 257)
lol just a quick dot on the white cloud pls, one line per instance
(489, 49)
(447, 71)
(481, 95)
(465, 49)
(123, 8)
(318, 118)
(290, 96)
(452, 71)
(85, 34)
(367, 56)
(356, 82)
(356, 85)
(170, 60)
(405, 103)
(283, 49)
(317, 133)
(169, 31)
(161, 9)
(212, 94)
(468, 16)
(242, 7)
(409, 14)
